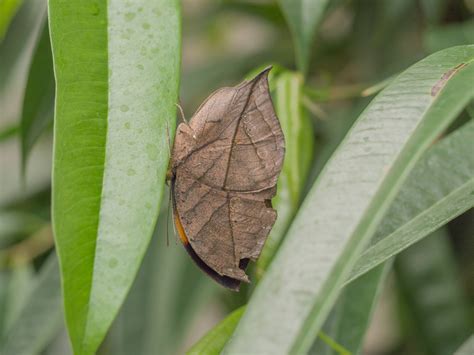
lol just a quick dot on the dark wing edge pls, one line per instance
(228, 282)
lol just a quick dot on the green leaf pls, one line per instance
(40, 318)
(351, 315)
(8, 132)
(117, 75)
(348, 324)
(213, 342)
(60, 344)
(38, 102)
(333, 131)
(332, 345)
(4, 280)
(430, 284)
(467, 348)
(437, 38)
(265, 10)
(17, 290)
(433, 10)
(439, 189)
(345, 205)
(17, 224)
(15, 55)
(8, 9)
(303, 17)
(299, 141)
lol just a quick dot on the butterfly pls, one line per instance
(223, 173)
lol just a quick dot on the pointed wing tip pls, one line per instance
(263, 75)
(265, 71)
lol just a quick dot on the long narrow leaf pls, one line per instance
(38, 102)
(21, 277)
(8, 132)
(348, 200)
(432, 291)
(299, 139)
(117, 73)
(15, 225)
(433, 10)
(4, 281)
(455, 34)
(303, 17)
(439, 188)
(15, 55)
(347, 326)
(353, 312)
(213, 342)
(41, 316)
(8, 9)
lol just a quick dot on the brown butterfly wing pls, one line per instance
(226, 164)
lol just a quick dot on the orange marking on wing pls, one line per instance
(180, 229)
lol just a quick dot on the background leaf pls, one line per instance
(8, 132)
(38, 102)
(15, 55)
(299, 145)
(352, 313)
(40, 316)
(433, 10)
(431, 291)
(16, 292)
(440, 37)
(437, 190)
(303, 17)
(292, 301)
(8, 9)
(117, 74)
(15, 225)
(346, 325)
(214, 341)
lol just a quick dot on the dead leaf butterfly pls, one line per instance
(224, 169)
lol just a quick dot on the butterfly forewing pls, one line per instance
(226, 164)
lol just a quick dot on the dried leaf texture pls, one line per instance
(226, 164)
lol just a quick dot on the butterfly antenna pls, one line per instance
(182, 114)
